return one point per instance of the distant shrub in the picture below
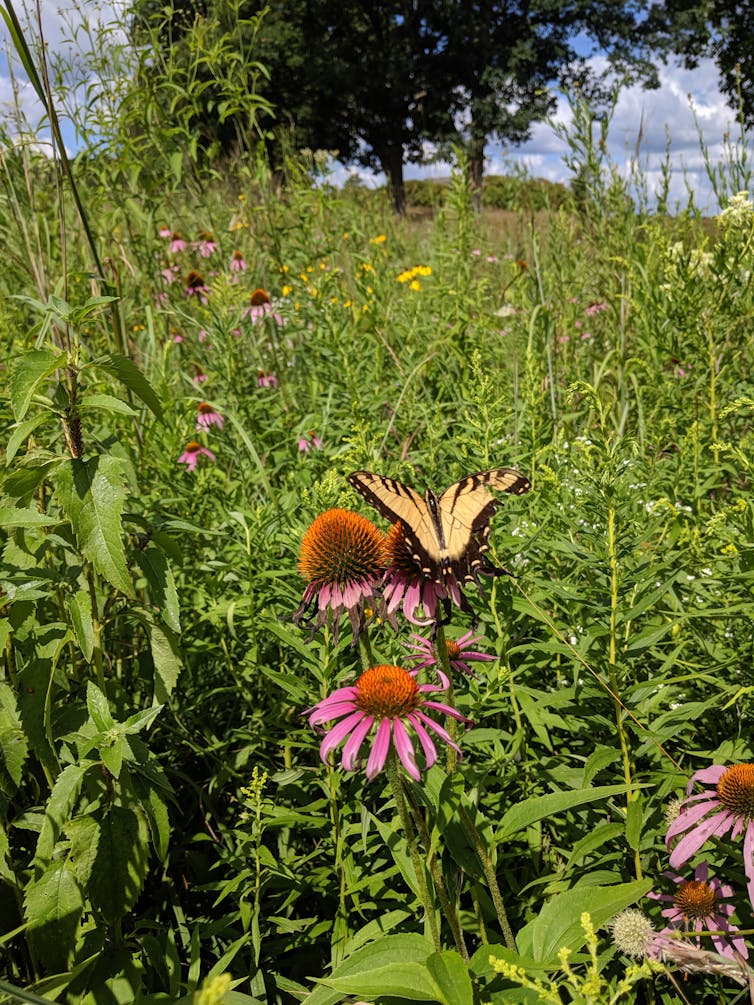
(425, 192)
(508, 192)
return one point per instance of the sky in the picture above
(658, 115)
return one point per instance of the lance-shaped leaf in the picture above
(53, 907)
(121, 864)
(128, 373)
(27, 374)
(91, 493)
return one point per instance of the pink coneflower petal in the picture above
(380, 747)
(712, 775)
(353, 744)
(338, 733)
(691, 843)
(404, 748)
(688, 817)
(331, 712)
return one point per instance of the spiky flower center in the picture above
(204, 408)
(695, 900)
(259, 297)
(340, 547)
(193, 447)
(454, 650)
(195, 281)
(387, 692)
(735, 790)
(396, 555)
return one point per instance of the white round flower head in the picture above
(738, 213)
(672, 809)
(632, 932)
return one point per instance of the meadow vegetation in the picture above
(177, 413)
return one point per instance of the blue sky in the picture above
(657, 114)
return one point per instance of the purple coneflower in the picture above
(699, 905)
(459, 653)
(406, 584)
(177, 243)
(195, 286)
(596, 307)
(208, 417)
(267, 379)
(260, 307)
(237, 262)
(190, 456)
(170, 273)
(729, 806)
(200, 376)
(340, 558)
(309, 442)
(165, 232)
(206, 245)
(388, 698)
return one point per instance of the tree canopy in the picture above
(383, 82)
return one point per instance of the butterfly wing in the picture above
(464, 513)
(398, 502)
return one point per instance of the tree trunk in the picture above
(391, 160)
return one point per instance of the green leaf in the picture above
(121, 863)
(154, 565)
(91, 493)
(21, 432)
(13, 746)
(529, 811)
(167, 661)
(80, 608)
(158, 819)
(451, 975)
(634, 822)
(60, 805)
(105, 403)
(128, 373)
(27, 374)
(393, 967)
(558, 925)
(99, 708)
(53, 906)
(83, 833)
(112, 753)
(13, 516)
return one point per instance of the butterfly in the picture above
(446, 534)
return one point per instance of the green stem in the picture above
(712, 390)
(448, 909)
(366, 644)
(396, 785)
(489, 872)
(612, 655)
(451, 724)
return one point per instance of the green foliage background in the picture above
(166, 819)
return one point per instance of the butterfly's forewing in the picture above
(465, 510)
(398, 502)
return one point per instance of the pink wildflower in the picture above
(177, 243)
(309, 442)
(459, 653)
(196, 287)
(267, 379)
(206, 245)
(238, 262)
(698, 905)
(208, 417)
(190, 456)
(388, 700)
(596, 308)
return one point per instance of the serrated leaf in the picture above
(14, 516)
(21, 432)
(128, 373)
(451, 976)
(99, 708)
(163, 644)
(53, 906)
(557, 924)
(91, 493)
(27, 374)
(159, 576)
(121, 864)
(529, 811)
(105, 403)
(60, 805)
(13, 746)
(80, 608)
(392, 966)
(112, 755)
(83, 833)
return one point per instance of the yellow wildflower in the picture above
(415, 285)
(380, 239)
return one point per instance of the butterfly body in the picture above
(446, 534)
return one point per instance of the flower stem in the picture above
(396, 785)
(612, 654)
(451, 724)
(489, 873)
